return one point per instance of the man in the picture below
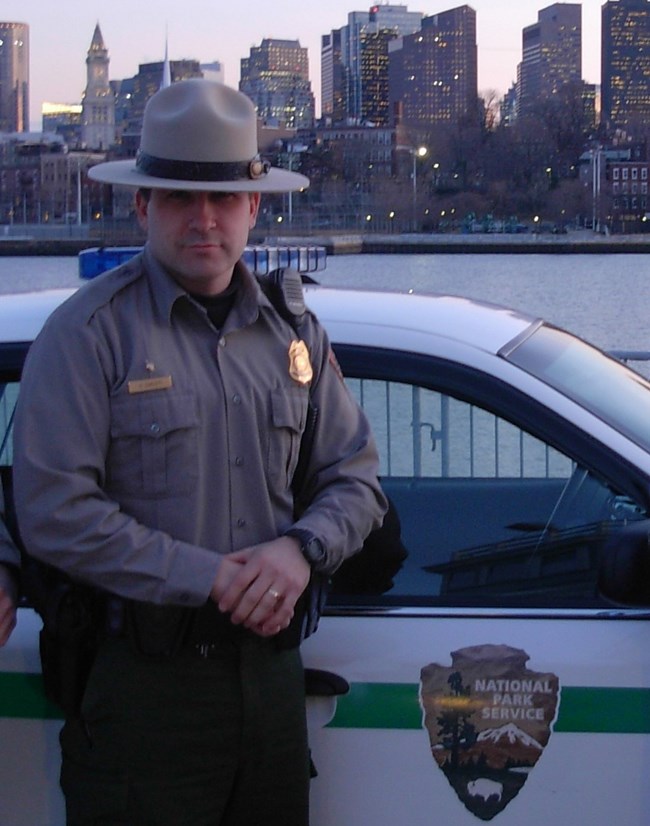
(158, 429)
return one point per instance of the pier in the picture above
(578, 242)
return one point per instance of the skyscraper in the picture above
(363, 58)
(98, 103)
(551, 54)
(276, 78)
(332, 78)
(14, 77)
(375, 107)
(625, 82)
(434, 72)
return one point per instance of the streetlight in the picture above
(596, 178)
(293, 149)
(436, 174)
(419, 152)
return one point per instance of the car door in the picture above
(489, 678)
(29, 725)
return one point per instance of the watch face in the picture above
(313, 551)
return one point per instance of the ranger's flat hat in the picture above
(200, 135)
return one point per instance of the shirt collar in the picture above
(166, 291)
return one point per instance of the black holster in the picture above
(68, 644)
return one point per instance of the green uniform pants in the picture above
(186, 741)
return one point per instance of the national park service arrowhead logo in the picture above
(489, 719)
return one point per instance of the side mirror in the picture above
(624, 572)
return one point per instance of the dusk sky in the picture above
(135, 30)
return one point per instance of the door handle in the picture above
(320, 683)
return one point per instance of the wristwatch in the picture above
(310, 547)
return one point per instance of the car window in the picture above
(600, 383)
(8, 398)
(482, 511)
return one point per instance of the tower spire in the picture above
(97, 43)
(98, 103)
(167, 72)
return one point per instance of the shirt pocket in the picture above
(288, 418)
(154, 448)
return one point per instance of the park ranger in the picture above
(159, 427)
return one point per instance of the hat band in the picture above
(201, 170)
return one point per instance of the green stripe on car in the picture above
(394, 706)
(21, 696)
(598, 710)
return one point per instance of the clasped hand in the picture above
(259, 586)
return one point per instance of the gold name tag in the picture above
(146, 385)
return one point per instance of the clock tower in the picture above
(98, 103)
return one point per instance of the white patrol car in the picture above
(485, 656)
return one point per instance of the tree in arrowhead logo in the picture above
(489, 719)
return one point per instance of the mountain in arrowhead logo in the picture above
(489, 719)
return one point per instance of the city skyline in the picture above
(60, 35)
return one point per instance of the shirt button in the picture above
(239, 461)
(222, 342)
(154, 428)
(236, 399)
(241, 523)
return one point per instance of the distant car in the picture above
(516, 228)
(479, 658)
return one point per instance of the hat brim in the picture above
(124, 173)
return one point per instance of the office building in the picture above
(551, 54)
(63, 119)
(275, 77)
(508, 107)
(375, 108)
(22, 155)
(625, 87)
(434, 72)
(14, 77)
(98, 102)
(67, 193)
(332, 78)
(364, 59)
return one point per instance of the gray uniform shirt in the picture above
(147, 443)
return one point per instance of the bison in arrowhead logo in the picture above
(489, 719)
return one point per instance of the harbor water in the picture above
(603, 298)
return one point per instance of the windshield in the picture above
(601, 384)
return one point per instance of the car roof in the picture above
(350, 315)
(23, 314)
(475, 324)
